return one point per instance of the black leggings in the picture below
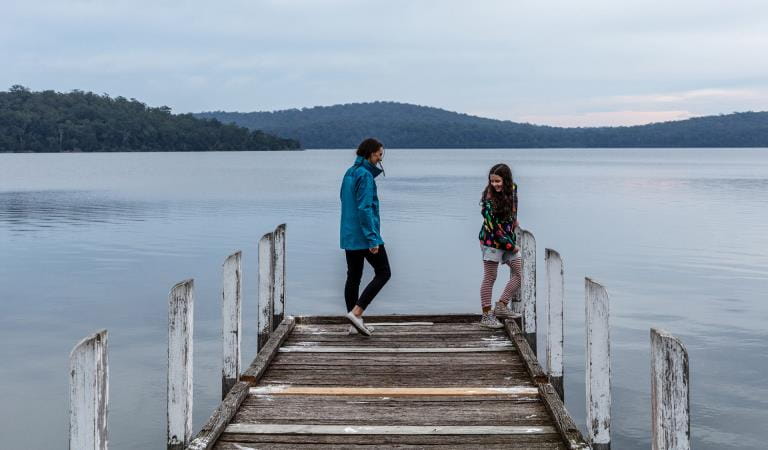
(380, 265)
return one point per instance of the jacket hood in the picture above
(360, 161)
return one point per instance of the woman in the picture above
(497, 242)
(360, 232)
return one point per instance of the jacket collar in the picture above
(360, 161)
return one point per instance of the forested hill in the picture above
(79, 121)
(401, 125)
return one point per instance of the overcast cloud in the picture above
(587, 62)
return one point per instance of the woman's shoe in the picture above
(489, 320)
(353, 330)
(357, 322)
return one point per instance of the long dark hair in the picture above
(504, 202)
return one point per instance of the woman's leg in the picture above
(355, 260)
(382, 274)
(515, 269)
(486, 287)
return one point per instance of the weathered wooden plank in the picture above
(89, 393)
(670, 403)
(266, 354)
(330, 349)
(510, 359)
(266, 288)
(244, 428)
(397, 337)
(525, 352)
(517, 442)
(382, 332)
(393, 391)
(279, 265)
(181, 302)
(231, 298)
(598, 365)
(223, 414)
(397, 327)
(371, 319)
(562, 420)
(525, 303)
(358, 341)
(556, 319)
(378, 380)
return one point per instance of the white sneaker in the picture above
(353, 330)
(357, 322)
(489, 320)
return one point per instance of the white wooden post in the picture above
(181, 302)
(598, 365)
(279, 311)
(670, 404)
(231, 297)
(555, 301)
(525, 303)
(89, 393)
(266, 288)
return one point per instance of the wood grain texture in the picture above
(266, 288)
(266, 354)
(206, 438)
(598, 363)
(231, 300)
(372, 349)
(243, 428)
(526, 391)
(436, 318)
(528, 286)
(89, 393)
(181, 303)
(279, 265)
(556, 318)
(517, 442)
(670, 390)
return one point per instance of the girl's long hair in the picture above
(503, 202)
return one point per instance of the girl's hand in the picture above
(516, 225)
(374, 250)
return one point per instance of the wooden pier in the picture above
(437, 381)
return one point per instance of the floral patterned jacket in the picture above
(496, 232)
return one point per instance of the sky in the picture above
(559, 62)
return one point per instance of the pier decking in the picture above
(437, 381)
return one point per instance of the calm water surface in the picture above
(90, 241)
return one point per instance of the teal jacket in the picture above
(360, 223)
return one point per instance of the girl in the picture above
(497, 242)
(360, 232)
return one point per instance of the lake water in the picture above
(90, 241)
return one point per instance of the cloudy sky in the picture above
(559, 62)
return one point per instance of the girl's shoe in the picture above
(502, 310)
(490, 321)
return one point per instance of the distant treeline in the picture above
(401, 125)
(80, 121)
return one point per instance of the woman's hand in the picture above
(374, 250)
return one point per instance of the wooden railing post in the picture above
(670, 404)
(555, 303)
(89, 393)
(266, 288)
(231, 297)
(598, 365)
(525, 303)
(279, 310)
(180, 330)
